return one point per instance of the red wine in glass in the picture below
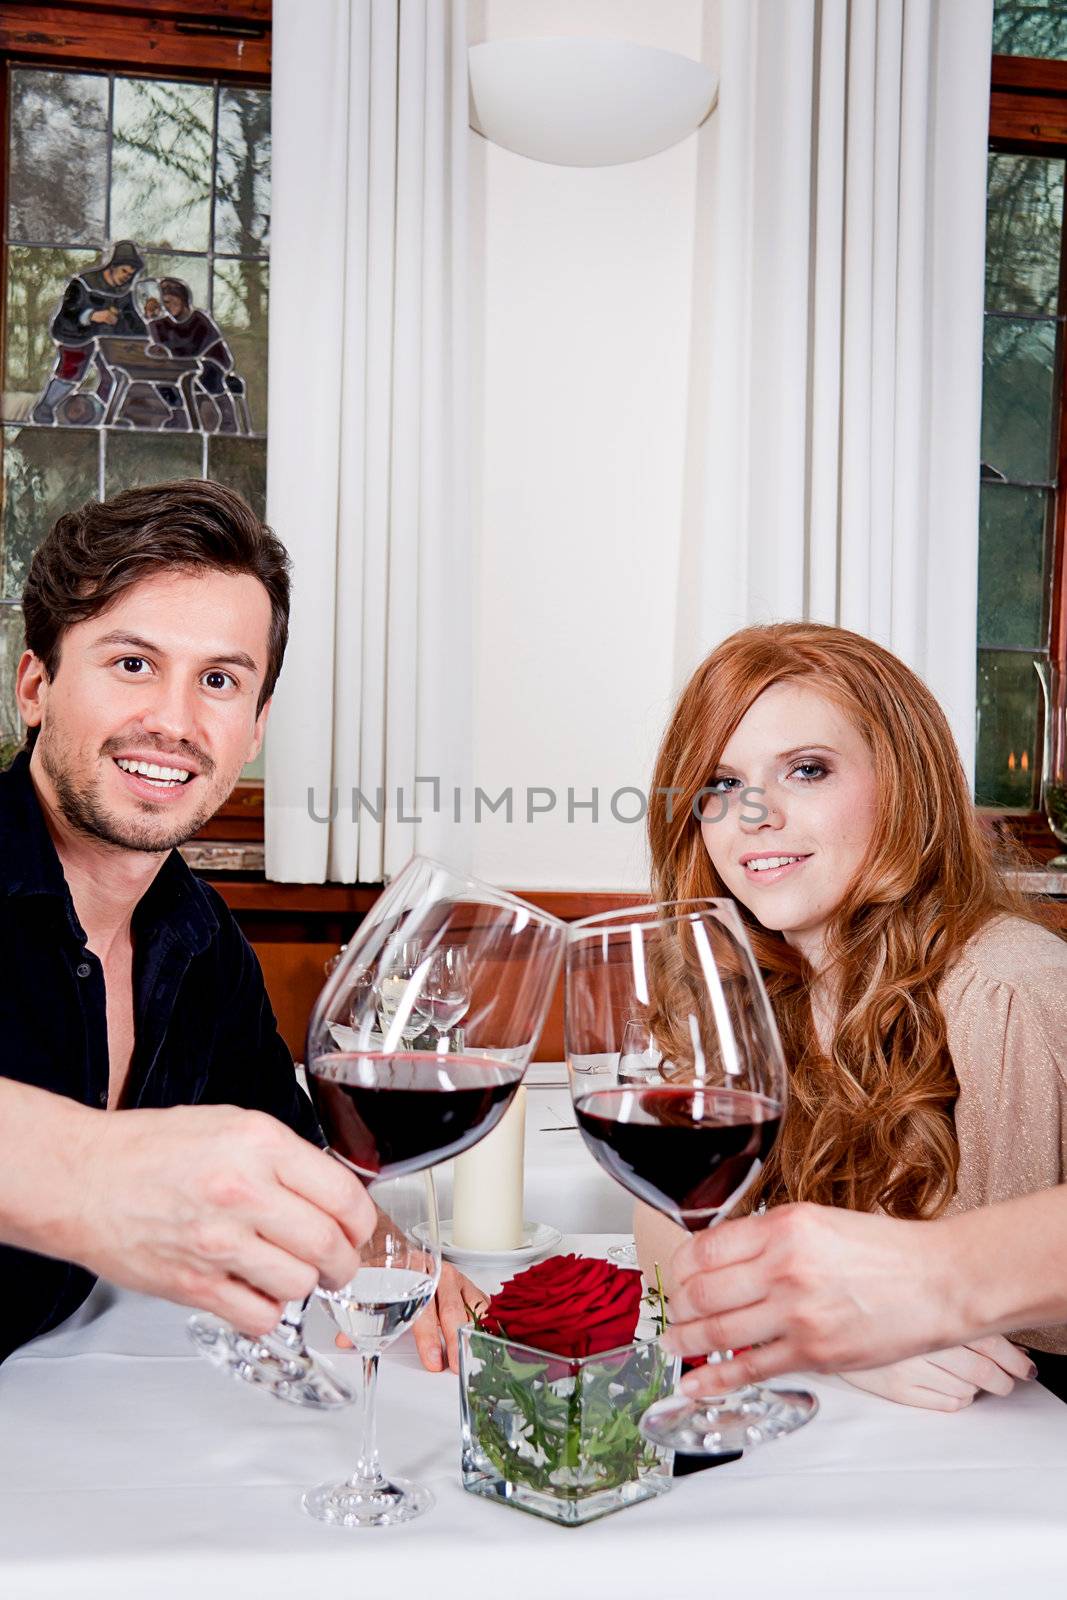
(691, 1135)
(681, 1149)
(390, 1114)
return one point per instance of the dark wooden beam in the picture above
(154, 41)
(1028, 74)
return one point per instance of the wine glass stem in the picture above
(290, 1329)
(368, 1467)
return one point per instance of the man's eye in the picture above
(133, 665)
(219, 680)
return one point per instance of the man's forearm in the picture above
(42, 1137)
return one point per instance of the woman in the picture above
(921, 1006)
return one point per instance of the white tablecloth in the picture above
(131, 1470)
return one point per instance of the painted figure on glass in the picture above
(95, 302)
(179, 328)
(159, 361)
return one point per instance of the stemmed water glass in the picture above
(692, 1142)
(398, 1271)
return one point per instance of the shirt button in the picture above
(102, 1097)
(84, 969)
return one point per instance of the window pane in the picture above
(1023, 219)
(1017, 397)
(57, 179)
(1011, 566)
(240, 464)
(242, 180)
(1029, 28)
(11, 645)
(36, 280)
(46, 471)
(241, 313)
(1007, 756)
(137, 459)
(161, 163)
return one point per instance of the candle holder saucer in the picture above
(538, 1239)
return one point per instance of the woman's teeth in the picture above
(768, 863)
(149, 769)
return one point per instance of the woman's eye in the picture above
(219, 680)
(809, 771)
(723, 785)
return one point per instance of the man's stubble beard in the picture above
(83, 812)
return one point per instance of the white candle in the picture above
(487, 1186)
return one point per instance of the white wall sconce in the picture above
(586, 102)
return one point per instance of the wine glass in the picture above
(391, 988)
(445, 993)
(693, 1143)
(387, 1107)
(639, 1057)
(397, 1276)
(1054, 763)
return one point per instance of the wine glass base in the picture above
(287, 1372)
(367, 1503)
(720, 1425)
(623, 1255)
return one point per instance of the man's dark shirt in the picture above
(204, 1029)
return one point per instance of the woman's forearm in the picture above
(832, 1290)
(1008, 1263)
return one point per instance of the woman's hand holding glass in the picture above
(691, 1134)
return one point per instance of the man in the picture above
(132, 1011)
(97, 301)
(187, 331)
(820, 1289)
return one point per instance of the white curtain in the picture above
(367, 476)
(840, 421)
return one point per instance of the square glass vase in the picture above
(558, 1436)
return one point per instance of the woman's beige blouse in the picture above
(1005, 1006)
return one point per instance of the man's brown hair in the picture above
(94, 554)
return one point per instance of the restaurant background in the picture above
(528, 625)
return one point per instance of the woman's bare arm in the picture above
(817, 1288)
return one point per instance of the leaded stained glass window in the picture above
(136, 242)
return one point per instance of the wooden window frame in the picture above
(1028, 116)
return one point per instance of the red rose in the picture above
(567, 1305)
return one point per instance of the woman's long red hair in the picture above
(872, 1126)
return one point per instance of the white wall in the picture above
(582, 286)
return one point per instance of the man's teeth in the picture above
(148, 769)
(767, 863)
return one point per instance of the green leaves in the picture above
(569, 1434)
